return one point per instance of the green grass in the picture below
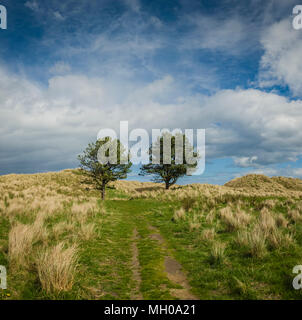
(267, 278)
(104, 265)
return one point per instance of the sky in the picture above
(70, 68)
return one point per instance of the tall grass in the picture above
(20, 244)
(217, 253)
(208, 234)
(266, 221)
(194, 223)
(21, 240)
(179, 214)
(234, 220)
(253, 241)
(87, 231)
(281, 221)
(56, 268)
(294, 215)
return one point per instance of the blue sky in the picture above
(70, 68)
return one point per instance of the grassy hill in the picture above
(58, 240)
(252, 182)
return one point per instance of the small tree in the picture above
(171, 172)
(99, 173)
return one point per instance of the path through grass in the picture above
(137, 245)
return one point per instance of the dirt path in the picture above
(175, 274)
(137, 295)
(173, 270)
(146, 268)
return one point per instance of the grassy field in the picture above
(58, 240)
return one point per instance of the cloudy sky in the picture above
(70, 68)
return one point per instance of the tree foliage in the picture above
(179, 165)
(101, 173)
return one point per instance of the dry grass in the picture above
(44, 200)
(20, 244)
(62, 227)
(208, 234)
(21, 240)
(294, 215)
(275, 185)
(234, 220)
(281, 221)
(277, 239)
(266, 222)
(87, 231)
(80, 212)
(56, 268)
(267, 230)
(217, 253)
(254, 241)
(250, 185)
(84, 208)
(270, 203)
(246, 186)
(39, 201)
(15, 206)
(179, 214)
(210, 216)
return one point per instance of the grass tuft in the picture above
(56, 268)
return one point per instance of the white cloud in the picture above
(260, 124)
(134, 5)
(156, 22)
(60, 67)
(213, 33)
(281, 62)
(245, 162)
(297, 172)
(51, 125)
(58, 16)
(33, 5)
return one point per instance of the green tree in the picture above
(178, 167)
(99, 172)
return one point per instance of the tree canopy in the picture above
(178, 164)
(111, 168)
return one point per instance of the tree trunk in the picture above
(167, 185)
(103, 191)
